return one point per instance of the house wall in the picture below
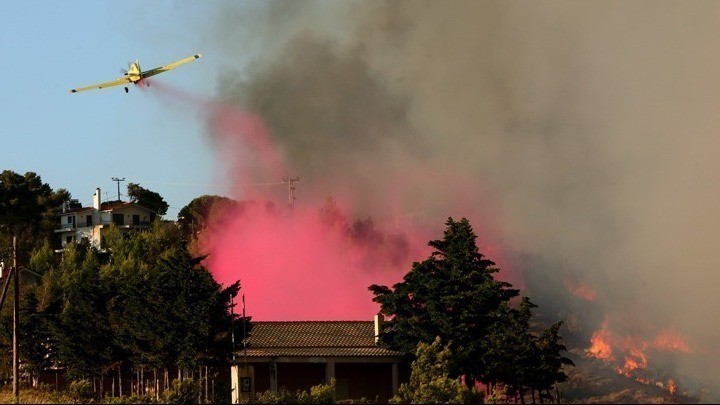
(353, 380)
(371, 380)
(299, 376)
(100, 221)
(128, 212)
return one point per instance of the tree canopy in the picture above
(146, 305)
(453, 296)
(430, 381)
(28, 209)
(147, 198)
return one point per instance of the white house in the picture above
(90, 223)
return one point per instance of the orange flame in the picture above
(580, 289)
(670, 340)
(607, 346)
(634, 359)
(600, 344)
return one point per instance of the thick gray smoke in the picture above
(590, 128)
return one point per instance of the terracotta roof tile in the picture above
(75, 210)
(315, 339)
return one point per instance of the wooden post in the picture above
(395, 379)
(16, 322)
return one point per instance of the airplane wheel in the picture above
(127, 90)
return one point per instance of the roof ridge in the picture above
(352, 321)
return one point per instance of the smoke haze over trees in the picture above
(582, 136)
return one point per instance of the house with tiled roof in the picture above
(78, 223)
(297, 355)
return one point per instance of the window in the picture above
(69, 219)
(136, 220)
(118, 219)
(88, 220)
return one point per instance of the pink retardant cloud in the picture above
(294, 267)
(292, 263)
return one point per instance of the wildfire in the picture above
(599, 346)
(628, 353)
(670, 340)
(634, 359)
(580, 289)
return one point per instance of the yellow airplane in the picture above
(136, 76)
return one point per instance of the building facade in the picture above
(78, 223)
(297, 355)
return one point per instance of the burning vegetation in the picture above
(627, 353)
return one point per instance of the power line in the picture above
(274, 183)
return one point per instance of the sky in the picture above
(580, 138)
(80, 141)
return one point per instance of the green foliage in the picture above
(281, 396)
(43, 259)
(318, 394)
(77, 314)
(34, 333)
(149, 305)
(131, 399)
(430, 381)
(147, 198)
(452, 295)
(165, 310)
(41, 395)
(80, 390)
(182, 392)
(497, 396)
(203, 212)
(28, 209)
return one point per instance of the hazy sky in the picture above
(79, 141)
(585, 134)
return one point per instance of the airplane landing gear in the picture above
(127, 90)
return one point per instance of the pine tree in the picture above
(451, 295)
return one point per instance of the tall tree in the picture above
(166, 310)
(81, 328)
(147, 198)
(28, 209)
(550, 367)
(512, 357)
(200, 212)
(453, 295)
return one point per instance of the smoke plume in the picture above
(579, 136)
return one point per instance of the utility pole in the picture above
(13, 275)
(16, 321)
(291, 189)
(232, 325)
(118, 180)
(244, 332)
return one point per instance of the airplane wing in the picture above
(161, 69)
(117, 82)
